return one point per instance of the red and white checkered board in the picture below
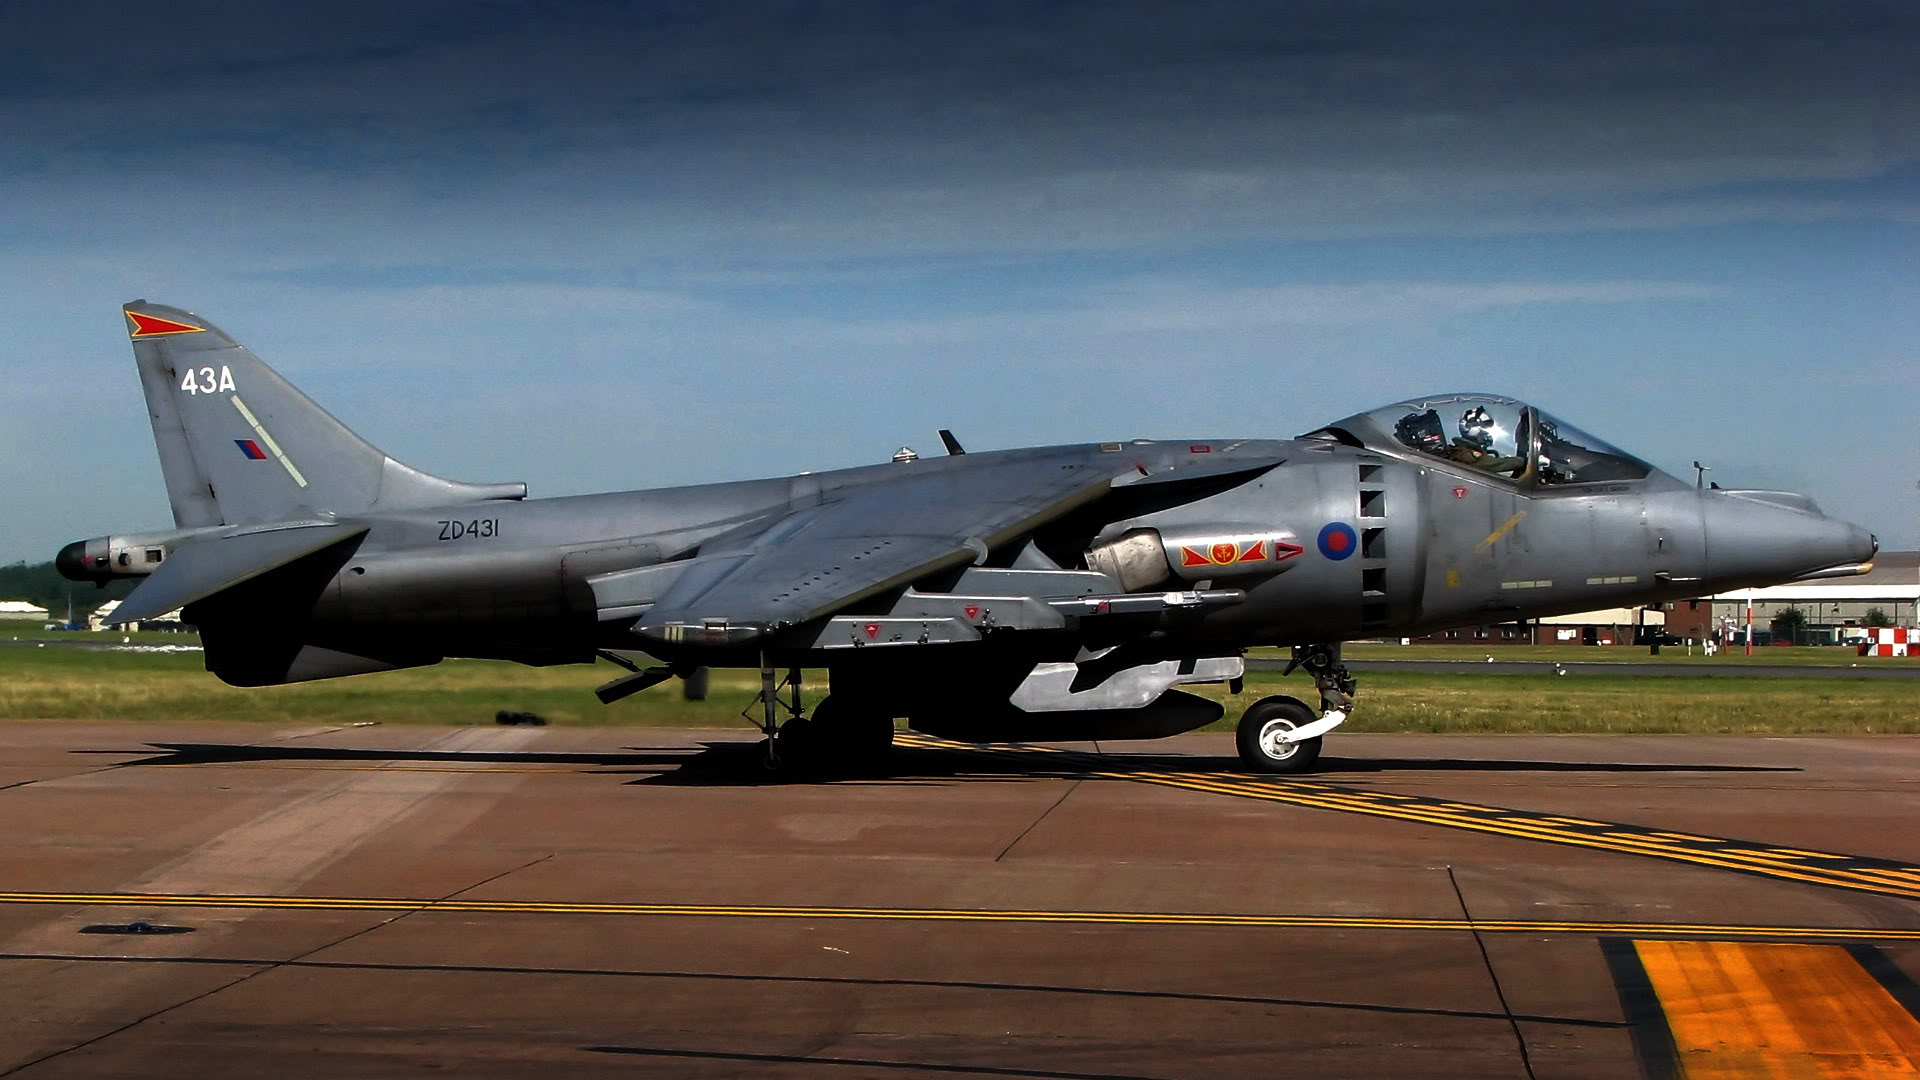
(1890, 641)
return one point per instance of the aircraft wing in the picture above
(818, 560)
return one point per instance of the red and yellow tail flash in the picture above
(145, 326)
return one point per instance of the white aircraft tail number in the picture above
(204, 380)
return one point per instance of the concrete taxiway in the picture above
(388, 901)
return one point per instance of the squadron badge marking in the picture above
(1233, 553)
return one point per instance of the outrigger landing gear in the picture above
(1280, 734)
(786, 742)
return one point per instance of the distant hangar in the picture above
(1835, 608)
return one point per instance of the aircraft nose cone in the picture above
(72, 562)
(1855, 544)
(1767, 539)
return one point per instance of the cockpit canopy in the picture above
(1495, 435)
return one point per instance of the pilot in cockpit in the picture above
(1498, 436)
(1424, 431)
(1475, 445)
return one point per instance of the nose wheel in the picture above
(1282, 735)
(1268, 736)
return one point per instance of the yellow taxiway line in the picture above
(1118, 918)
(1699, 850)
(1831, 869)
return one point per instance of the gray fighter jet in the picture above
(1046, 593)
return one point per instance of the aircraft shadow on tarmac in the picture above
(650, 974)
(738, 764)
(247, 753)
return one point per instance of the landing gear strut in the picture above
(842, 734)
(1281, 734)
(783, 739)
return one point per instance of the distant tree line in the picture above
(40, 583)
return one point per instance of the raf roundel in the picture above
(1337, 540)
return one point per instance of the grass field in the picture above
(71, 684)
(34, 632)
(1766, 655)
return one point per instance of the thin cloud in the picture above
(601, 234)
(1171, 308)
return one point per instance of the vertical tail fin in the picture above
(239, 445)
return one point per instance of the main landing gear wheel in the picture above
(795, 746)
(852, 735)
(832, 740)
(1259, 736)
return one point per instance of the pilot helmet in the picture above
(1422, 431)
(1476, 428)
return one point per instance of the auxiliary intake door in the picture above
(614, 555)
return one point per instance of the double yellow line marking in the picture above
(1699, 850)
(1830, 869)
(1111, 918)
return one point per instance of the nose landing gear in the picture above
(1281, 734)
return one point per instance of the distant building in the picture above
(98, 620)
(1690, 620)
(1834, 609)
(1608, 626)
(21, 611)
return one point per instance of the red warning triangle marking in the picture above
(155, 326)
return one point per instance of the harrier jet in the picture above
(1044, 593)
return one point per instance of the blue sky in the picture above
(616, 246)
